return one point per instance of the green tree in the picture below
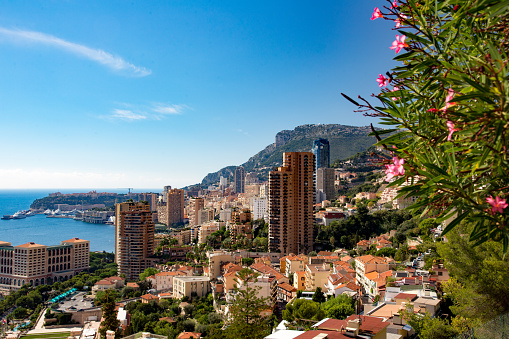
(447, 112)
(318, 297)
(245, 313)
(110, 322)
(479, 288)
(339, 308)
(148, 272)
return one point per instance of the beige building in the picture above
(317, 276)
(190, 286)
(325, 182)
(216, 260)
(207, 229)
(291, 198)
(294, 263)
(366, 264)
(197, 205)
(164, 280)
(134, 238)
(205, 215)
(37, 264)
(175, 206)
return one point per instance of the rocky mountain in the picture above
(344, 141)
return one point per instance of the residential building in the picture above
(175, 206)
(134, 238)
(205, 215)
(366, 264)
(164, 280)
(317, 276)
(207, 229)
(239, 180)
(198, 204)
(190, 286)
(325, 182)
(37, 264)
(321, 151)
(258, 207)
(294, 263)
(291, 197)
(299, 280)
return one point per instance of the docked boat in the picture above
(19, 215)
(7, 217)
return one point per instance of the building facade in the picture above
(325, 182)
(37, 264)
(134, 238)
(321, 151)
(239, 180)
(175, 206)
(291, 197)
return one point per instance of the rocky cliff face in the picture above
(344, 141)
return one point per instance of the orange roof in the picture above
(105, 282)
(363, 243)
(187, 335)
(371, 259)
(287, 287)
(29, 245)
(75, 240)
(149, 297)
(371, 275)
(409, 296)
(133, 285)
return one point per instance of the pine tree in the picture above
(109, 314)
(245, 320)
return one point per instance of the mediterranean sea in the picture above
(51, 231)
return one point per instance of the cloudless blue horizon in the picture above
(114, 94)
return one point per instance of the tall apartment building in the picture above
(321, 151)
(325, 182)
(175, 206)
(134, 238)
(198, 204)
(152, 199)
(37, 264)
(291, 195)
(239, 180)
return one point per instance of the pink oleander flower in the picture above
(394, 169)
(376, 14)
(448, 98)
(399, 43)
(398, 20)
(498, 204)
(396, 88)
(394, 4)
(382, 81)
(451, 128)
(434, 110)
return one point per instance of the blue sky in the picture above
(97, 94)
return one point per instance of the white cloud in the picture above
(168, 109)
(127, 115)
(113, 62)
(156, 111)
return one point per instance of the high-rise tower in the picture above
(175, 206)
(134, 238)
(239, 180)
(321, 150)
(291, 195)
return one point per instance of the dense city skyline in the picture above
(188, 87)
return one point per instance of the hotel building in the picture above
(37, 264)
